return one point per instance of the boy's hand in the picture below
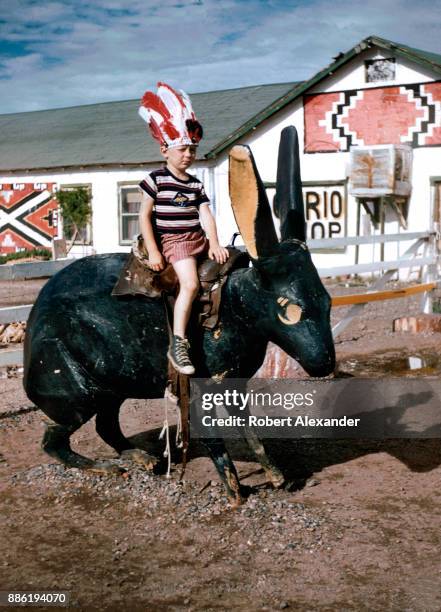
(156, 261)
(219, 253)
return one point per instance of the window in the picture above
(84, 235)
(129, 203)
(380, 70)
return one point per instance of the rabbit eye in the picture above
(291, 312)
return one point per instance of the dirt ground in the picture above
(358, 529)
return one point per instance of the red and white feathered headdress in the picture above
(170, 117)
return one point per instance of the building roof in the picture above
(431, 61)
(112, 133)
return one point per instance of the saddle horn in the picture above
(288, 201)
(250, 204)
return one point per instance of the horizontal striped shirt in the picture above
(177, 201)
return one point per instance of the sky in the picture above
(69, 52)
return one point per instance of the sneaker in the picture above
(178, 355)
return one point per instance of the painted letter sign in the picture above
(325, 208)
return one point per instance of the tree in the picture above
(76, 211)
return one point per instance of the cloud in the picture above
(70, 52)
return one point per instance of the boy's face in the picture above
(181, 157)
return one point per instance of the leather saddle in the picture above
(136, 278)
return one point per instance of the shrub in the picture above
(40, 253)
(75, 209)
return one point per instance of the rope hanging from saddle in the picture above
(177, 393)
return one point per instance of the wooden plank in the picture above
(321, 243)
(11, 357)
(377, 266)
(391, 294)
(15, 313)
(37, 269)
(272, 185)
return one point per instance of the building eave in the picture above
(87, 167)
(300, 89)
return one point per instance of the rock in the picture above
(418, 324)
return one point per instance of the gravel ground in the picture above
(361, 534)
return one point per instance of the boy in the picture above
(181, 207)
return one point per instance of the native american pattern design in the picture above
(380, 115)
(28, 216)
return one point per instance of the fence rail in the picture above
(321, 243)
(11, 357)
(40, 269)
(15, 313)
(377, 296)
(377, 266)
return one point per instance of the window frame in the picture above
(121, 185)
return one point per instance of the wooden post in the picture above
(429, 274)
(59, 249)
(382, 222)
(357, 246)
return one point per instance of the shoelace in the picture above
(181, 351)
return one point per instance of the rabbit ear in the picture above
(288, 202)
(250, 204)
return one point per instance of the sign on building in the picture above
(28, 216)
(325, 208)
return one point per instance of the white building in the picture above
(378, 93)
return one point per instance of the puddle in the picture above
(390, 363)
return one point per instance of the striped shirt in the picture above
(177, 201)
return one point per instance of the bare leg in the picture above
(186, 271)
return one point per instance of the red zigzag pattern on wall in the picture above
(380, 115)
(28, 216)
